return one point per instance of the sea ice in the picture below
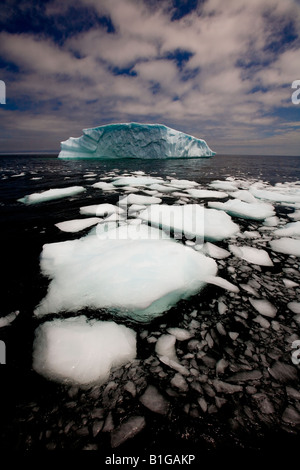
(292, 195)
(246, 210)
(136, 181)
(289, 230)
(206, 193)
(134, 140)
(286, 245)
(223, 185)
(77, 224)
(138, 279)
(138, 199)
(264, 307)
(51, 194)
(214, 251)
(8, 319)
(165, 346)
(191, 220)
(81, 352)
(251, 255)
(100, 210)
(104, 186)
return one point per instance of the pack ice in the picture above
(134, 140)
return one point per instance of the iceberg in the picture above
(134, 140)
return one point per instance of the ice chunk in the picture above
(138, 199)
(134, 140)
(127, 430)
(245, 210)
(139, 279)
(289, 246)
(162, 188)
(8, 319)
(52, 194)
(295, 215)
(206, 193)
(294, 307)
(289, 230)
(292, 195)
(191, 220)
(289, 284)
(77, 224)
(214, 251)
(220, 282)
(264, 307)
(77, 351)
(245, 196)
(223, 185)
(136, 181)
(165, 346)
(271, 221)
(183, 184)
(154, 401)
(104, 186)
(251, 255)
(179, 333)
(100, 210)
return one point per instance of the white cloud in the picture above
(210, 91)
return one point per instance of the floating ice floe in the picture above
(244, 195)
(183, 184)
(77, 225)
(290, 195)
(251, 255)
(214, 251)
(291, 229)
(104, 186)
(223, 185)
(51, 194)
(294, 307)
(134, 140)
(100, 210)
(138, 279)
(162, 188)
(246, 210)
(264, 307)
(206, 193)
(295, 215)
(191, 221)
(138, 199)
(81, 352)
(136, 181)
(271, 221)
(288, 246)
(8, 319)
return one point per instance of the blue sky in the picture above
(219, 70)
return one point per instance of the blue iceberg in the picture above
(133, 140)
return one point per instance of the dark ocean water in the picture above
(24, 230)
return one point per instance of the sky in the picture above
(219, 70)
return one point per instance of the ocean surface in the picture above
(39, 414)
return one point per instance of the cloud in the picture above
(224, 66)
